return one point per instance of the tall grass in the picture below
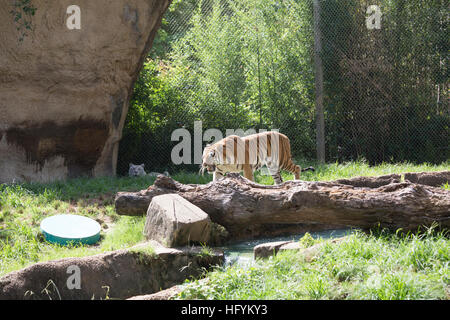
(380, 266)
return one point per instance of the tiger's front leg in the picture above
(248, 172)
(277, 178)
(275, 172)
(217, 176)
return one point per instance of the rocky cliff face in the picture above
(64, 92)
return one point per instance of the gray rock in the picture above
(167, 294)
(174, 221)
(265, 250)
(292, 245)
(308, 253)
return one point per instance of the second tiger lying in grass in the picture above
(250, 153)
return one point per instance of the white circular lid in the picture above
(70, 226)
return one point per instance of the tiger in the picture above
(137, 170)
(250, 153)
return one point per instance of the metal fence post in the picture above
(320, 121)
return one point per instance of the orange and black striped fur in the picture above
(250, 153)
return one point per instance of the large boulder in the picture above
(174, 221)
(64, 93)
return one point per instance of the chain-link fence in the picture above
(254, 64)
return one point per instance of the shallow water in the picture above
(241, 253)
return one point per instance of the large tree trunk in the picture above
(247, 209)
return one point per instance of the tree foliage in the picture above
(238, 65)
(249, 64)
(386, 90)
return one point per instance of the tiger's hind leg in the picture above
(297, 172)
(293, 168)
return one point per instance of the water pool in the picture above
(241, 252)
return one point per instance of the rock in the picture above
(174, 221)
(308, 253)
(143, 269)
(167, 294)
(64, 94)
(265, 250)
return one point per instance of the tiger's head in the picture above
(210, 159)
(136, 170)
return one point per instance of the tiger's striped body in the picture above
(250, 153)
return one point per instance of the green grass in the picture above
(25, 246)
(23, 206)
(380, 266)
(147, 249)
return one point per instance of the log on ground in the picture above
(247, 209)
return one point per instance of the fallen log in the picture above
(371, 182)
(247, 209)
(434, 179)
